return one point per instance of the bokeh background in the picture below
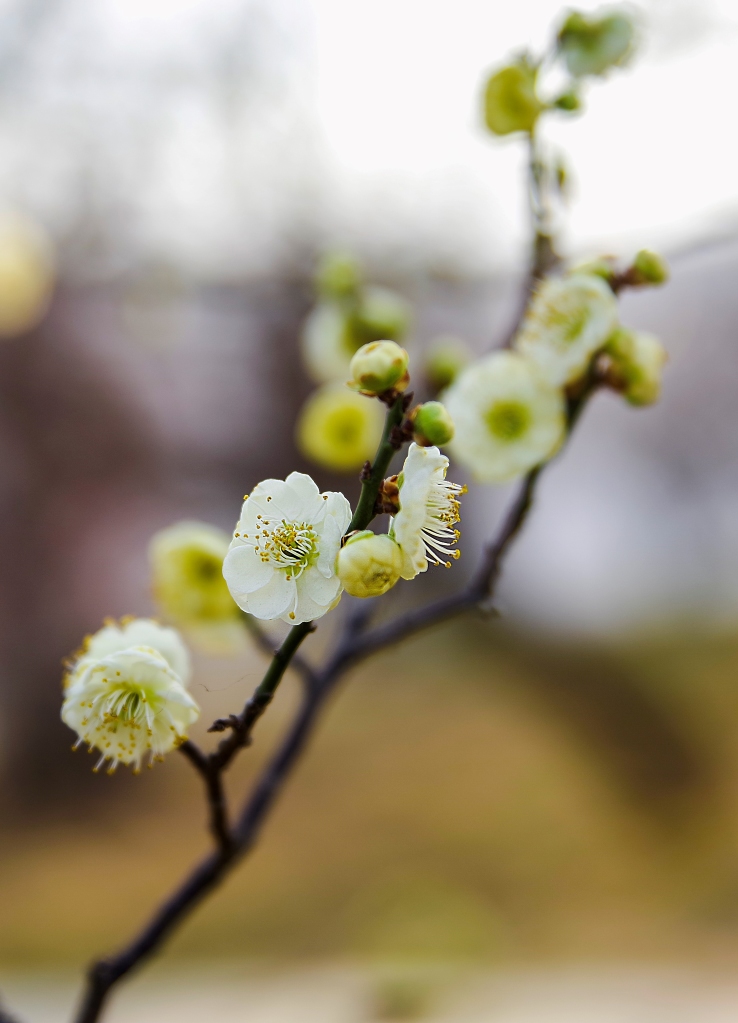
(519, 820)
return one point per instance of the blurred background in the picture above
(533, 819)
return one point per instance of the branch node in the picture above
(222, 724)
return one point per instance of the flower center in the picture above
(508, 420)
(567, 323)
(441, 515)
(345, 426)
(292, 546)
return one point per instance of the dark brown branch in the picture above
(213, 778)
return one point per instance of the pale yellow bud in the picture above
(369, 564)
(378, 367)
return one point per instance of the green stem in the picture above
(365, 508)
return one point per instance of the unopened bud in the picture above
(432, 424)
(445, 359)
(568, 101)
(369, 564)
(638, 360)
(510, 100)
(650, 267)
(378, 367)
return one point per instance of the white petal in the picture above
(276, 498)
(245, 572)
(314, 585)
(303, 485)
(339, 509)
(274, 599)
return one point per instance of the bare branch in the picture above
(217, 805)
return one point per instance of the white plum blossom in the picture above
(429, 511)
(281, 562)
(567, 321)
(508, 417)
(325, 347)
(125, 692)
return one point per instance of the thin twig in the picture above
(217, 804)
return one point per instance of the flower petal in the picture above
(245, 572)
(314, 585)
(273, 600)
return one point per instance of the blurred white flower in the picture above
(281, 563)
(568, 319)
(335, 331)
(125, 693)
(325, 347)
(429, 510)
(187, 578)
(508, 416)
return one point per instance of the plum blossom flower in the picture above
(125, 692)
(508, 417)
(281, 562)
(187, 579)
(568, 320)
(429, 511)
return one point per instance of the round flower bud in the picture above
(338, 276)
(378, 367)
(510, 100)
(651, 267)
(380, 314)
(444, 360)
(432, 424)
(568, 101)
(591, 45)
(369, 564)
(339, 429)
(638, 360)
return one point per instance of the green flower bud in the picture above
(638, 360)
(380, 314)
(510, 100)
(651, 267)
(569, 101)
(444, 360)
(432, 424)
(368, 564)
(338, 277)
(591, 45)
(379, 367)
